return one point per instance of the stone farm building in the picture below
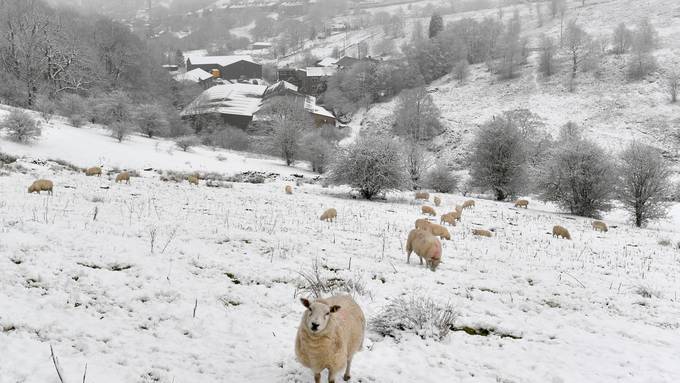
(231, 104)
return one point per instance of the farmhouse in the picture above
(320, 114)
(198, 76)
(226, 67)
(232, 104)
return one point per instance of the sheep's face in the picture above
(433, 263)
(317, 315)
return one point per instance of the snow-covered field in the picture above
(77, 272)
(93, 146)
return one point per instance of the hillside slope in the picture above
(163, 282)
(612, 109)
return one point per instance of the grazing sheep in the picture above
(600, 226)
(439, 231)
(423, 196)
(522, 203)
(468, 204)
(40, 185)
(423, 224)
(289, 189)
(93, 171)
(428, 210)
(559, 231)
(437, 201)
(426, 246)
(330, 333)
(329, 215)
(449, 218)
(193, 180)
(482, 233)
(123, 176)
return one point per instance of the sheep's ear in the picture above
(305, 302)
(335, 308)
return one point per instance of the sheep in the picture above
(482, 233)
(600, 226)
(289, 189)
(40, 185)
(439, 231)
(437, 201)
(423, 195)
(449, 218)
(123, 176)
(468, 204)
(329, 215)
(93, 171)
(426, 246)
(459, 209)
(193, 180)
(423, 224)
(522, 203)
(559, 231)
(330, 333)
(428, 210)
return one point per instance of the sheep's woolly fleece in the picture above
(77, 272)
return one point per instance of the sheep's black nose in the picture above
(315, 326)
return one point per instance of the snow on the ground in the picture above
(77, 273)
(93, 146)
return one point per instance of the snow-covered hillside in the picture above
(112, 278)
(612, 109)
(93, 146)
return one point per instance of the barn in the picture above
(227, 67)
(320, 114)
(231, 104)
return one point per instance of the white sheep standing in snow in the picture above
(330, 333)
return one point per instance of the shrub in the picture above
(461, 70)
(316, 283)
(419, 315)
(46, 107)
(187, 142)
(371, 165)
(318, 151)
(498, 158)
(230, 138)
(441, 180)
(643, 182)
(417, 117)
(577, 175)
(71, 105)
(115, 107)
(120, 130)
(77, 120)
(151, 121)
(20, 126)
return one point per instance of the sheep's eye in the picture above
(328, 313)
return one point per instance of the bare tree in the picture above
(461, 70)
(673, 84)
(151, 121)
(289, 123)
(417, 115)
(622, 39)
(416, 161)
(578, 47)
(644, 182)
(498, 158)
(441, 180)
(546, 64)
(577, 175)
(644, 41)
(371, 165)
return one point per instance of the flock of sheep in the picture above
(332, 329)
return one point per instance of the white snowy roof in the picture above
(311, 107)
(327, 62)
(219, 60)
(195, 75)
(314, 71)
(235, 99)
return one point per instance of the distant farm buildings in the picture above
(231, 104)
(226, 67)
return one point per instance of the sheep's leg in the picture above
(347, 376)
(421, 259)
(331, 375)
(317, 377)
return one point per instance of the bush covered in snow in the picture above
(186, 142)
(120, 130)
(419, 315)
(151, 121)
(441, 180)
(318, 151)
(371, 165)
(20, 126)
(229, 137)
